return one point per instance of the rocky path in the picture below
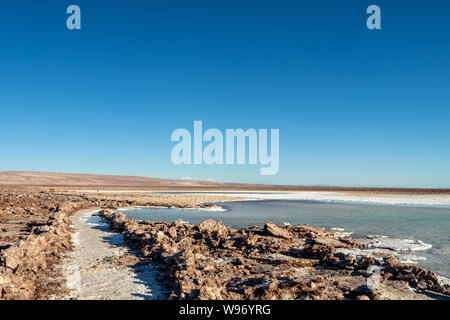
(102, 267)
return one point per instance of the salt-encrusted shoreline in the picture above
(36, 231)
(102, 267)
(403, 248)
(351, 197)
(203, 207)
(212, 261)
(328, 196)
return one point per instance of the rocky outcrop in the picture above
(276, 231)
(205, 261)
(35, 232)
(212, 261)
(27, 263)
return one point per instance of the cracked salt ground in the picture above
(102, 267)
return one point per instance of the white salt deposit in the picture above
(393, 199)
(92, 271)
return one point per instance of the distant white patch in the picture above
(341, 232)
(402, 199)
(400, 244)
(443, 280)
(213, 208)
(404, 249)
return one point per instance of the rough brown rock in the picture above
(276, 231)
(212, 261)
(206, 261)
(35, 231)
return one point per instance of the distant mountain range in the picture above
(71, 179)
(30, 178)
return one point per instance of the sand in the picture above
(101, 267)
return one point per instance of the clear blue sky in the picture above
(354, 106)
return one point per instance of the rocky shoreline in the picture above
(35, 232)
(205, 261)
(101, 266)
(213, 261)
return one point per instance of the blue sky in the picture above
(354, 106)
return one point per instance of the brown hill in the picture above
(71, 179)
(89, 181)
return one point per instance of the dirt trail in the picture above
(102, 267)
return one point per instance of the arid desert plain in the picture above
(77, 239)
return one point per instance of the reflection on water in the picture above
(430, 225)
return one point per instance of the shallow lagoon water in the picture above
(428, 224)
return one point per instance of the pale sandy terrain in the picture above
(101, 267)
